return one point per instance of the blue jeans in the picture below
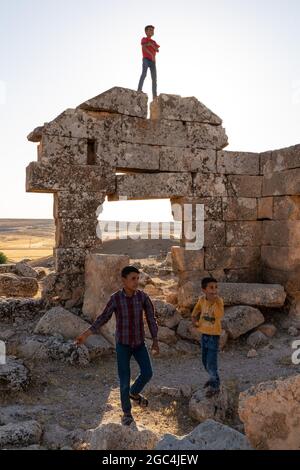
(147, 63)
(209, 349)
(141, 355)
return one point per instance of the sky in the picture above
(239, 57)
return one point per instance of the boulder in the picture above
(270, 412)
(268, 329)
(23, 269)
(209, 435)
(240, 319)
(202, 408)
(257, 339)
(166, 313)
(114, 436)
(12, 285)
(18, 434)
(265, 295)
(58, 320)
(186, 330)
(14, 375)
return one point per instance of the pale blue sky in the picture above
(239, 57)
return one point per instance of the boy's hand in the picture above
(194, 321)
(82, 338)
(155, 347)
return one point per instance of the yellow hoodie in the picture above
(209, 314)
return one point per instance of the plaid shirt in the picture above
(129, 317)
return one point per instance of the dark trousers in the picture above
(210, 349)
(147, 63)
(141, 355)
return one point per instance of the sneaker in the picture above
(127, 419)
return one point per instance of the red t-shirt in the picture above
(152, 49)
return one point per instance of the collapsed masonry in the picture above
(251, 200)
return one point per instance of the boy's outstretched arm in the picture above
(100, 321)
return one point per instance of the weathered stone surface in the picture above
(239, 208)
(81, 205)
(23, 269)
(182, 206)
(114, 436)
(276, 233)
(14, 286)
(77, 233)
(238, 163)
(56, 437)
(257, 339)
(209, 185)
(14, 376)
(285, 183)
(174, 107)
(46, 177)
(285, 258)
(151, 186)
(18, 434)
(61, 321)
(166, 313)
(187, 260)
(231, 257)
(202, 408)
(187, 159)
(36, 134)
(205, 136)
(20, 307)
(244, 186)
(66, 288)
(265, 208)
(240, 319)
(123, 155)
(290, 280)
(209, 435)
(243, 233)
(286, 207)
(55, 149)
(279, 160)
(8, 268)
(268, 329)
(186, 330)
(165, 335)
(119, 100)
(270, 412)
(70, 260)
(271, 295)
(102, 278)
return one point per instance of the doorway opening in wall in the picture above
(138, 228)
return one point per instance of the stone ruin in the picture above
(251, 200)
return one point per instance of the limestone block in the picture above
(280, 160)
(187, 260)
(276, 233)
(231, 257)
(119, 100)
(238, 163)
(174, 107)
(286, 207)
(67, 149)
(187, 159)
(244, 186)
(209, 185)
(265, 208)
(186, 207)
(123, 155)
(12, 285)
(255, 294)
(205, 136)
(66, 288)
(290, 280)
(240, 319)
(81, 205)
(45, 177)
(151, 186)
(285, 258)
(77, 233)
(70, 260)
(243, 233)
(239, 208)
(281, 184)
(270, 413)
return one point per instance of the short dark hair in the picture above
(207, 280)
(129, 269)
(149, 26)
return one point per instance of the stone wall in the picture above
(251, 200)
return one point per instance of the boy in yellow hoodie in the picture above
(206, 316)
